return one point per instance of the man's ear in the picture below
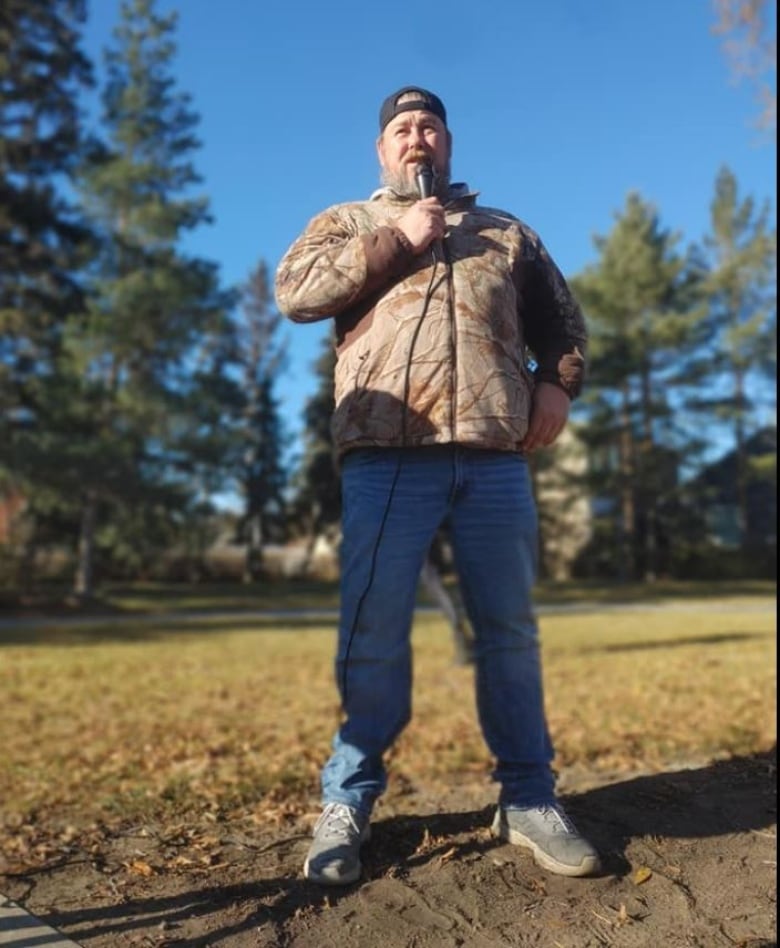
(380, 151)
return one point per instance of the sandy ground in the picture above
(690, 860)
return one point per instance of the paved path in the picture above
(205, 615)
(18, 929)
(195, 615)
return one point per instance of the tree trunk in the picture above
(627, 510)
(83, 584)
(649, 493)
(25, 571)
(254, 550)
(741, 458)
(315, 526)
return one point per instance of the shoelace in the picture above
(559, 819)
(336, 821)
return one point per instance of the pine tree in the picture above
(42, 71)
(639, 307)
(43, 241)
(318, 497)
(153, 311)
(738, 257)
(258, 436)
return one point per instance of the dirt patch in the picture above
(690, 860)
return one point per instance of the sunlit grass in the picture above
(153, 721)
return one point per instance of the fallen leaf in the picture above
(424, 843)
(180, 862)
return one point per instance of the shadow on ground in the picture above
(719, 638)
(264, 896)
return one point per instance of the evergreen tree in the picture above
(258, 435)
(154, 312)
(738, 257)
(638, 303)
(318, 495)
(43, 242)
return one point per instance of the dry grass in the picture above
(164, 721)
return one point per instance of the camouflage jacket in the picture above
(432, 349)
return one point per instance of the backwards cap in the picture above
(422, 99)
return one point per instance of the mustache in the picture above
(417, 155)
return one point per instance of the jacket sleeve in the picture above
(553, 323)
(332, 266)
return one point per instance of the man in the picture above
(436, 301)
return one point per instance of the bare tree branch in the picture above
(750, 47)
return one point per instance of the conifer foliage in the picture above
(42, 70)
(258, 434)
(135, 390)
(739, 289)
(640, 305)
(153, 311)
(679, 338)
(318, 497)
(43, 241)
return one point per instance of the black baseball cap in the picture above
(421, 100)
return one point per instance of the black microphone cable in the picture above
(404, 415)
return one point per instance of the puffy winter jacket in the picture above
(432, 349)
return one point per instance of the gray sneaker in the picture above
(334, 855)
(551, 835)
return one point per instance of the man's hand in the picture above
(549, 413)
(423, 223)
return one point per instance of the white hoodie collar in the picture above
(457, 191)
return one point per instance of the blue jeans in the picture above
(488, 499)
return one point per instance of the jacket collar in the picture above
(458, 191)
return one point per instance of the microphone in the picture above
(424, 178)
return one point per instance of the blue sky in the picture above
(558, 109)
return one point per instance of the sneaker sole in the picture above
(589, 866)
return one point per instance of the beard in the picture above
(403, 186)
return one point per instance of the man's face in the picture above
(409, 138)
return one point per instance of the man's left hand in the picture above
(549, 413)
